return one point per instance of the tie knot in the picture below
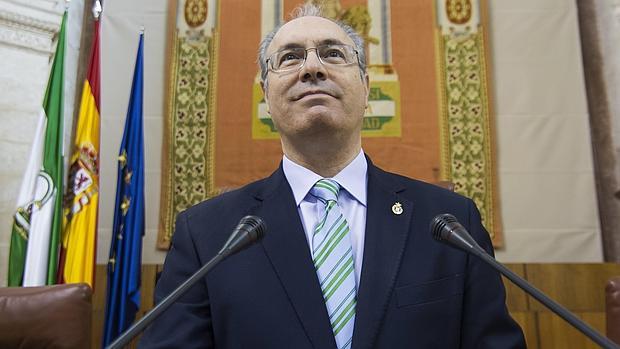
(326, 190)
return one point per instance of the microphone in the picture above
(249, 230)
(446, 228)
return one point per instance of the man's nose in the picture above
(313, 69)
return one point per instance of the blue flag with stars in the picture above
(123, 291)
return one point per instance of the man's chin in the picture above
(320, 125)
(315, 119)
(318, 110)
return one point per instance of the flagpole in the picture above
(79, 240)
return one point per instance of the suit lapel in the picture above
(385, 240)
(287, 249)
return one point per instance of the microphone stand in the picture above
(139, 326)
(249, 230)
(569, 317)
(445, 228)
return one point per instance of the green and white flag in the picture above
(33, 256)
(21, 219)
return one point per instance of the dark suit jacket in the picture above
(414, 292)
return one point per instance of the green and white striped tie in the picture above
(333, 259)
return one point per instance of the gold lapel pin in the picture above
(397, 208)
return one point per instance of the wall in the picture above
(544, 153)
(542, 329)
(120, 27)
(545, 166)
(608, 16)
(27, 42)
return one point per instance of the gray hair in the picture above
(311, 10)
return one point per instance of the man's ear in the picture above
(367, 83)
(263, 88)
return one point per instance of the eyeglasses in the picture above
(294, 58)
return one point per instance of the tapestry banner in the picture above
(220, 137)
(467, 134)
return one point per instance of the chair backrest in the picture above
(444, 184)
(612, 308)
(56, 316)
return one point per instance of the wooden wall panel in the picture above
(557, 334)
(99, 296)
(147, 291)
(515, 299)
(148, 287)
(527, 321)
(579, 287)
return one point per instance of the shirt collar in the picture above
(352, 178)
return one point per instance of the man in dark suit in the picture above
(347, 260)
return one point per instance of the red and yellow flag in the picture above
(79, 239)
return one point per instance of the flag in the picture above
(79, 238)
(25, 202)
(123, 291)
(37, 223)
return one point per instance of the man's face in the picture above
(317, 100)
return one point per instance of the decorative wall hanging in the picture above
(466, 119)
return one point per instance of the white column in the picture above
(271, 15)
(380, 29)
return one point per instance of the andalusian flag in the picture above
(33, 257)
(25, 203)
(79, 240)
(123, 294)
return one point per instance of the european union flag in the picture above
(123, 297)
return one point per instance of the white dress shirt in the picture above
(352, 201)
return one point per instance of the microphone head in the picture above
(447, 229)
(249, 230)
(254, 225)
(442, 225)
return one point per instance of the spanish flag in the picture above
(79, 239)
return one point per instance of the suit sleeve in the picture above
(486, 321)
(187, 323)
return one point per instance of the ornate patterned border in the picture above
(165, 206)
(189, 141)
(466, 123)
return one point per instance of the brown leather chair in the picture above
(612, 308)
(445, 184)
(56, 316)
